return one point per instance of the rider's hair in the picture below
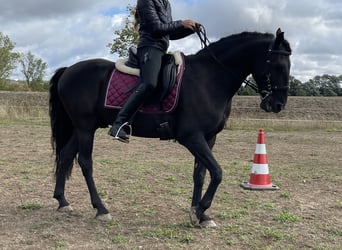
(136, 18)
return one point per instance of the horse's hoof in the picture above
(65, 209)
(193, 217)
(208, 224)
(104, 217)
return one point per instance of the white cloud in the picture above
(259, 14)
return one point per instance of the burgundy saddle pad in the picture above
(121, 86)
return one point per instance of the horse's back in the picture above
(83, 85)
(83, 72)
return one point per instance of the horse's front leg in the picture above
(64, 164)
(199, 176)
(199, 147)
(85, 140)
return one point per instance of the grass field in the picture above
(147, 187)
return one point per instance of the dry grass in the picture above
(147, 186)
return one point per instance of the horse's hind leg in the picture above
(85, 142)
(63, 168)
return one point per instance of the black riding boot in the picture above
(121, 124)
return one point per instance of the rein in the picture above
(202, 34)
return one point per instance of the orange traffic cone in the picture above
(260, 176)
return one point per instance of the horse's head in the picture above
(272, 75)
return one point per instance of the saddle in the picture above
(167, 75)
(125, 78)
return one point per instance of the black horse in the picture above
(211, 78)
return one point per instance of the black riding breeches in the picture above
(150, 60)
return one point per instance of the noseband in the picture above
(201, 32)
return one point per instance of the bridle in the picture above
(268, 75)
(201, 32)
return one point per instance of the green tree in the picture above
(328, 85)
(126, 37)
(340, 85)
(33, 69)
(8, 58)
(325, 85)
(310, 88)
(296, 87)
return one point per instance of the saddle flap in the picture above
(168, 75)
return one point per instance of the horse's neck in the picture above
(241, 52)
(231, 62)
(231, 67)
(244, 55)
(216, 79)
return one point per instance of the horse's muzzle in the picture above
(269, 106)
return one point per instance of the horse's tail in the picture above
(61, 125)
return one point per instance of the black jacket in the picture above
(157, 26)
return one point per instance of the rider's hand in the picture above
(190, 24)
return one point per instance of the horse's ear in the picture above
(279, 38)
(279, 31)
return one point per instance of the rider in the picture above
(156, 28)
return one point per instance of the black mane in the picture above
(236, 40)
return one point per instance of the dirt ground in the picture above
(147, 187)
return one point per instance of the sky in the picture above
(64, 32)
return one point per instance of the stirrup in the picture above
(123, 126)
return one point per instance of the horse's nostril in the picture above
(280, 106)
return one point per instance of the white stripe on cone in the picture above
(260, 149)
(260, 168)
